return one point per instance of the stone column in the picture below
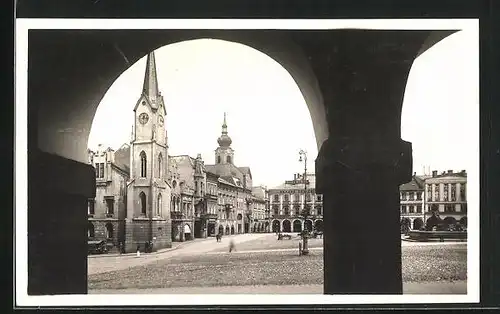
(362, 75)
(57, 223)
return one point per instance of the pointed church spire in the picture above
(224, 125)
(224, 140)
(150, 87)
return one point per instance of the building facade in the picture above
(146, 197)
(434, 199)
(446, 197)
(288, 201)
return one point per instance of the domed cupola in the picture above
(224, 140)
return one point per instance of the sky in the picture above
(202, 79)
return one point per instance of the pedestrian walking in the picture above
(231, 246)
(138, 254)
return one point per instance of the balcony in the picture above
(177, 215)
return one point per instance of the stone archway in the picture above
(276, 226)
(463, 221)
(297, 225)
(449, 220)
(232, 229)
(418, 224)
(287, 226)
(308, 225)
(228, 230)
(221, 229)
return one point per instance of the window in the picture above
(143, 164)
(308, 197)
(99, 170)
(320, 210)
(453, 192)
(109, 205)
(429, 193)
(286, 210)
(142, 198)
(228, 158)
(318, 198)
(419, 196)
(276, 198)
(445, 192)
(160, 166)
(419, 208)
(218, 159)
(276, 210)
(159, 204)
(91, 206)
(412, 196)
(462, 192)
(287, 197)
(412, 209)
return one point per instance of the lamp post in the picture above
(305, 212)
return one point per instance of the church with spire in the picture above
(146, 198)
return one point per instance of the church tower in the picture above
(224, 154)
(148, 193)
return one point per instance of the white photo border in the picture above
(22, 26)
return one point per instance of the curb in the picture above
(142, 253)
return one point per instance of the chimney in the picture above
(434, 173)
(450, 171)
(294, 176)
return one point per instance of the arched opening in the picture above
(308, 225)
(160, 166)
(142, 198)
(228, 230)
(188, 235)
(449, 221)
(90, 230)
(221, 230)
(276, 226)
(433, 222)
(159, 205)
(287, 226)
(318, 225)
(463, 221)
(109, 231)
(418, 224)
(142, 155)
(232, 229)
(405, 225)
(297, 225)
(239, 217)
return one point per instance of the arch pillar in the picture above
(52, 226)
(363, 86)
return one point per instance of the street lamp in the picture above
(305, 212)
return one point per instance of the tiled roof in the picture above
(415, 184)
(122, 158)
(245, 170)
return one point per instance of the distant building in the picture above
(439, 197)
(446, 196)
(288, 201)
(412, 203)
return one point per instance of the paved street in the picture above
(103, 263)
(457, 287)
(261, 263)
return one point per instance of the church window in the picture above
(158, 208)
(142, 197)
(218, 159)
(109, 205)
(143, 164)
(160, 165)
(91, 206)
(228, 159)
